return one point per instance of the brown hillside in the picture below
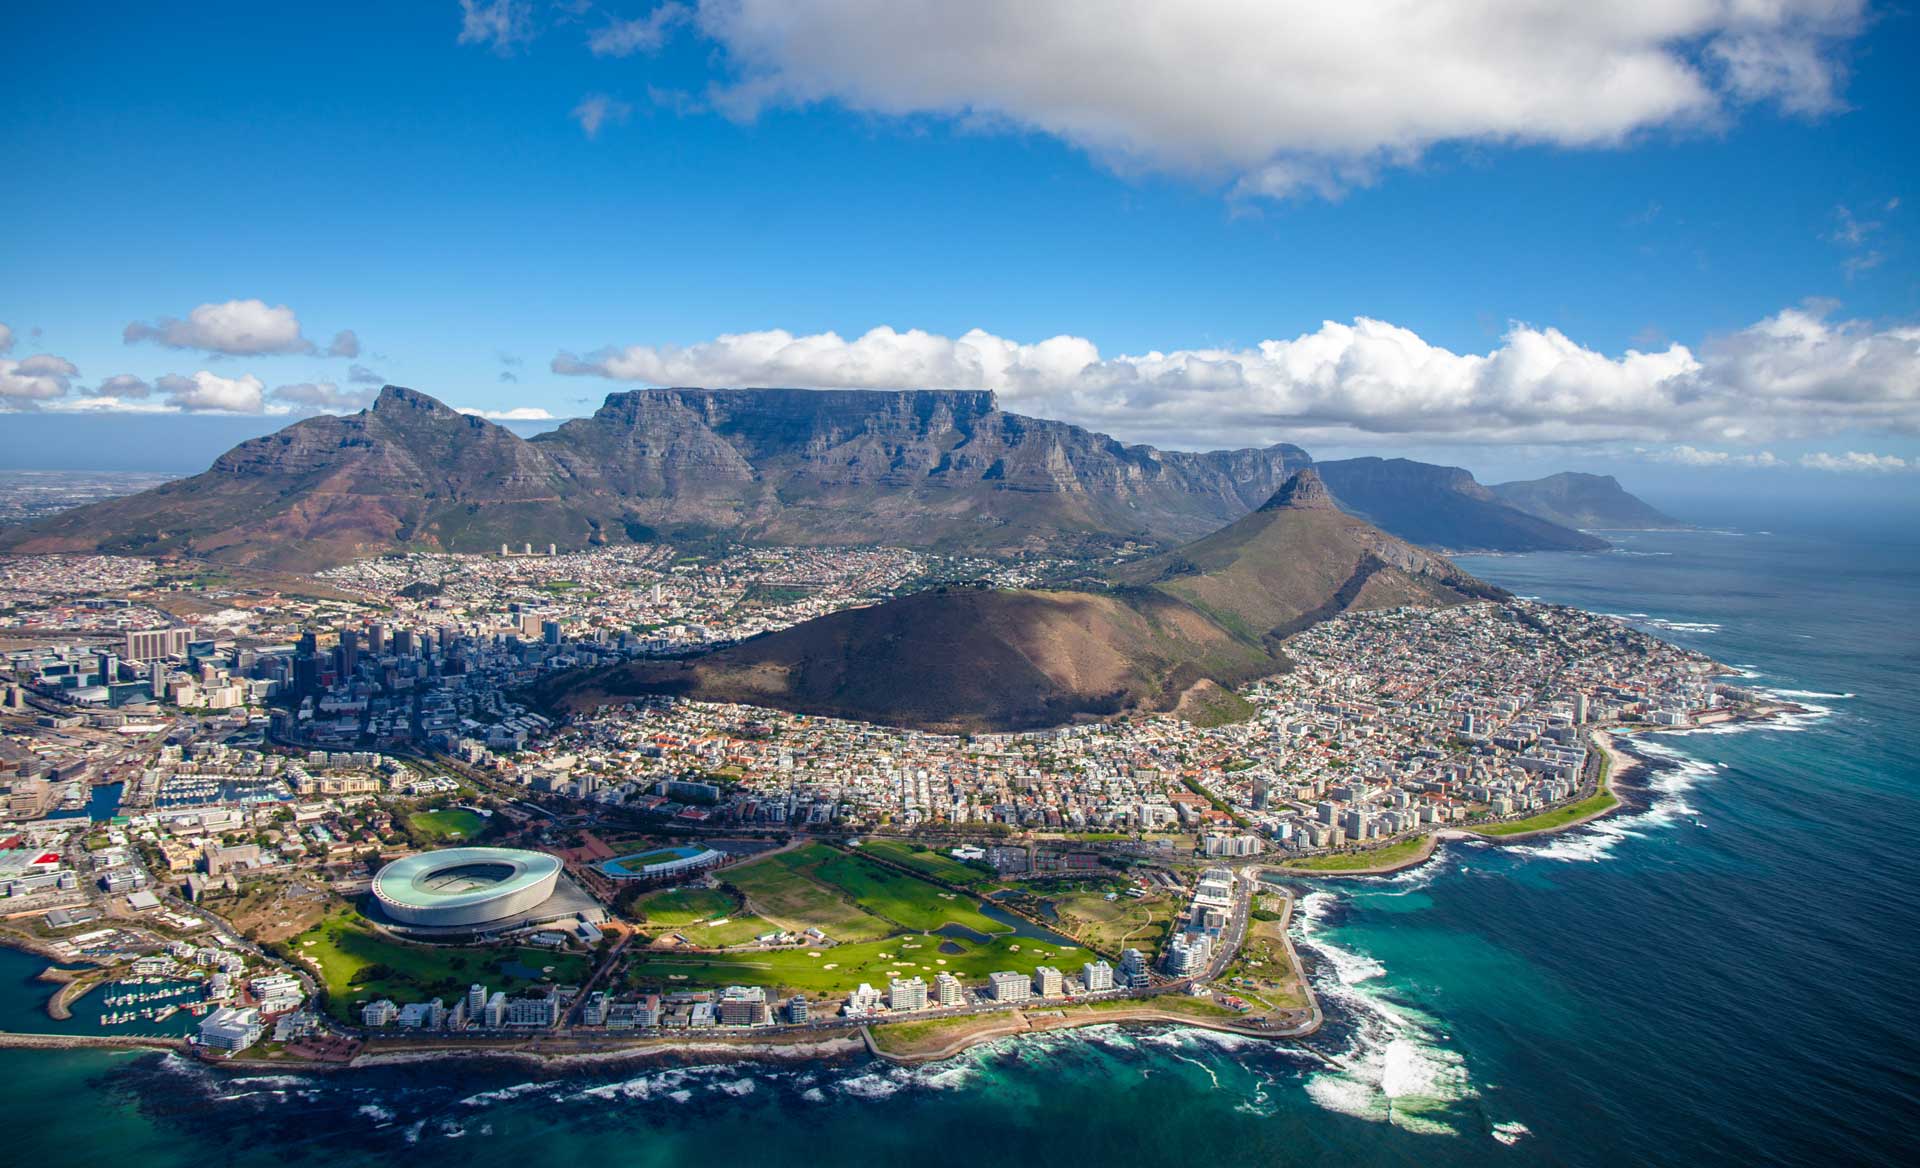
(960, 659)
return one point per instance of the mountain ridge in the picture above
(944, 470)
(1444, 506)
(1585, 502)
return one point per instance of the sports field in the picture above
(450, 823)
(838, 969)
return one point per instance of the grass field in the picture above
(1353, 861)
(930, 861)
(1262, 972)
(834, 971)
(1113, 925)
(1558, 817)
(1187, 1004)
(448, 824)
(850, 898)
(929, 1035)
(638, 860)
(914, 905)
(359, 965)
(781, 891)
(693, 913)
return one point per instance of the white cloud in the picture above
(361, 375)
(346, 343)
(517, 414)
(97, 404)
(503, 24)
(27, 383)
(246, 328)
(322, 395)
(1794, 374)
(211, 392)
(6, 339)
(1684, 455)
(1854, 460)
(645, 34)
(596, 110)
(1286, 96)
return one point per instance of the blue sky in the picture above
(364, 168)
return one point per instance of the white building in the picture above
(1011, 987)
(232, 1029)
(908, 993)
(380, 1013)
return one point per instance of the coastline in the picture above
(856, 1041)
(1622, 764)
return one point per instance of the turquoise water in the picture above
(1722, 976)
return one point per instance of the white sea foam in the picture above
(663, 1082)
(1397, 1068)
(1511, 1132)
(378, 1114)
(503, 1094)
(272, 1082)
(735, 1087)
(872, 1085)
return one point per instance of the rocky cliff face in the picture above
(939, 468)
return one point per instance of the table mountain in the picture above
(931, 468)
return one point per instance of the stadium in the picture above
(469, 891)
(662, 864)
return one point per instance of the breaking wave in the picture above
(1396, 1067)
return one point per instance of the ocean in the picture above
(1723, 975)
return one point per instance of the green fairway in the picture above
(781, 891)
(359, 965)
(838, 969)
(707, 917)
(851, 898)
(1351, 861)
(913, 904)
(930, 861)
(1558, 817)
(448, 824)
